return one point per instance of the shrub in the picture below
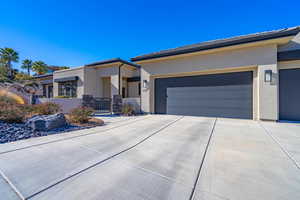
(81, 114)
(11, 112)
(22, 77)
(8, 100)
(62, 97)
(127, 109)
(47, 108)
(27, 109)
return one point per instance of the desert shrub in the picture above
(7, 100)
(47, 108)
(62, 97)
(27, 109)
(11, 112)
(22, 77)
(127, 109)
(81, 114)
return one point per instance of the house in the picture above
(46, 81)
(255, 76)
(98, 81)
(46, 85)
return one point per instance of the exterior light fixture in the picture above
(268, 76)
(145, 83)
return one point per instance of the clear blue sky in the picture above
(74, 33)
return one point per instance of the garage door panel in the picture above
(236, 92)
(229, 104)
(220, 95)
(228, 112)
(289, 94)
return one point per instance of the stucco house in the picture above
(100, 80)
(255, 76)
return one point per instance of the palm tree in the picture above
(7, 56)
(39, 67)
(27, 64)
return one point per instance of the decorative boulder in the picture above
(46, 122)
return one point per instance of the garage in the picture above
(226, 95)
(289, 94)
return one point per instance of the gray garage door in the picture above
(219, 95)
(289, 94)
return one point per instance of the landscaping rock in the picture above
(10, 132)
(46, 122)
(36, 126)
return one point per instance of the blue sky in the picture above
(74, 33)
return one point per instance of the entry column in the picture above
(268, 91)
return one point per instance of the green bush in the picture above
(62, 97)
(47, 108)
(81, 114)
(127, 109)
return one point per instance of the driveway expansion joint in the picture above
(106, 159)
(13, 187)
(192, 196)
(280, 146)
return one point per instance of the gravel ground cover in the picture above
(10, 132)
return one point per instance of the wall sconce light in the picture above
(145, 83)
(268, 76)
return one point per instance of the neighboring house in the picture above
(46, 85)
(46, 81)
(53, 68)
(255, 76)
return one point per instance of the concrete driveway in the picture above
(157, 157)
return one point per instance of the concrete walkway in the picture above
(156, 157)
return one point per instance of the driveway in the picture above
(157, 157)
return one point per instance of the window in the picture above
(68, 88)
(139, 88)
(123, 92)
(44, 91)
(50, 91)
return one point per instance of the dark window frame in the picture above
(68, 89)
(44, 91)
(50, 91)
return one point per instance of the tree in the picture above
(39, 67)
(64, 67)
(27, 65)
(22, 77)
(7, 56)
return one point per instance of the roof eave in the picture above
(257, 38)
(112, 61)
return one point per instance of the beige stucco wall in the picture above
(133, 90)
(70, 72)
(93, 80)
(92, 83)
(106, 87)
(260, 58)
